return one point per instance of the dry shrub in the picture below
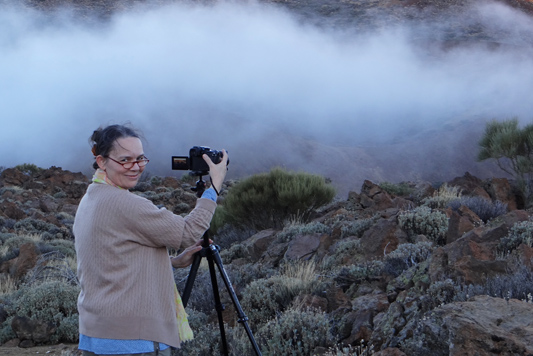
(443, 196)
(265, 298)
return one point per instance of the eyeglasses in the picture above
(129, 164)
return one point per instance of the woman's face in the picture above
(124, 149)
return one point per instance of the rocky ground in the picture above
(461, 296)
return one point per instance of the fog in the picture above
(242, 77)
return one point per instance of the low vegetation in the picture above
(295, 306)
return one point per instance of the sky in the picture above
(243, 76)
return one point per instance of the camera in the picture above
(195, 162)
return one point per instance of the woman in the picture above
(128, 302)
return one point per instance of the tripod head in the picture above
(200, 184)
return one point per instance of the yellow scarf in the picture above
(183, 323)
(185, 332)
(100, 176)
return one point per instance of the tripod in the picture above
(210, 252)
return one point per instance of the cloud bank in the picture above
(240, 76)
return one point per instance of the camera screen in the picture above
(180, 162)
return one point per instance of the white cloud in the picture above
(222, 75)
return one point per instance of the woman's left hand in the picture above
(185, 258)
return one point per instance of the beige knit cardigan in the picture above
(127, 284)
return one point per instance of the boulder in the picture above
(500, 189)
(481, 326)
(382, 238)
(460, 222)
(26, 260)
(32, 331)
(472, 257)
(469, 185)
(372, 196)
(259, 243)
(55, 179)
(12, 210)
(13, 177)
(303, 247)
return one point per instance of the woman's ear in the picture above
(100, 161)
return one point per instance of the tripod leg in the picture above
(243, 319)
(190, 280)
(219, 307)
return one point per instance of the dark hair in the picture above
(103, 139)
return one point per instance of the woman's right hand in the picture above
(218, 171)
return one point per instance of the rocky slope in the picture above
(464, 291)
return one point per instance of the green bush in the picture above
(295, 332)
(426, 221)
(512, 149)
(28, 168)
(267, 200)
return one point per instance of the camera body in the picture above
(195, 161)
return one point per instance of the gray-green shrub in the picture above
(52, 301)
(290, 231)
(426, 221)
(344, 251)
(484, 208)
(358, 227)
(46, 230)
(296, 333)
(206, 340)
(348, 275)
(520, 233)
(406, 256)
(266, 298)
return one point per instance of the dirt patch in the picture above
(56, 350)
